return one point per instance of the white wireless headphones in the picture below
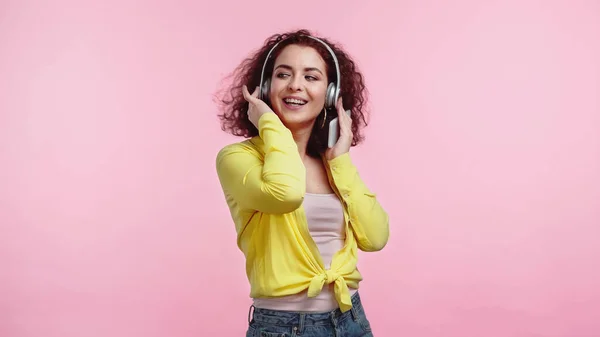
(333, 89)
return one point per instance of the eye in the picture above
(311, 78)
(282, 75)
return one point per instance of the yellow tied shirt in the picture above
(264, 181)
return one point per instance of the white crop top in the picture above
(325, 216)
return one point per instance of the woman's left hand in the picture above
(345, 141)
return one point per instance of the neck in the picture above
(301, 137)
(301, 140)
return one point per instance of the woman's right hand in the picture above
(256, 106)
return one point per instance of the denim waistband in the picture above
(294, 318)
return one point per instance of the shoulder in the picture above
(252, 146)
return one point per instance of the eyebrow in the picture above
(285, 66)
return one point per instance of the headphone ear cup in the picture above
(330, 96)
(264, 90)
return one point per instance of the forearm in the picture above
(369, 221)
(283, 168)
(273, 181)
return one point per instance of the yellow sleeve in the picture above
(368, 219)
(275, 183)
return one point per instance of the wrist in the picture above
(331, 155)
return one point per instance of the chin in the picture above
(296, 119)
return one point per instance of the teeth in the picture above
(294, 101)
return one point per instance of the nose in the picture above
(295, 83)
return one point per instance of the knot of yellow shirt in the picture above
(342, 294)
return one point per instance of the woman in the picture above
(300, 209)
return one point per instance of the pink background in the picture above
(484, 146)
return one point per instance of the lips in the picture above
(294, 101)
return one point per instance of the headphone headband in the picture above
(332, 97)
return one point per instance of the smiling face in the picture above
(298, 86)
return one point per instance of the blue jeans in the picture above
(275, 323)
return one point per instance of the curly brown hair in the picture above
(233, 106)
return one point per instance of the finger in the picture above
(344, 115)
(245, 92)
(348, 114)
(345, 122)
(339, 106)
(251, 98)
